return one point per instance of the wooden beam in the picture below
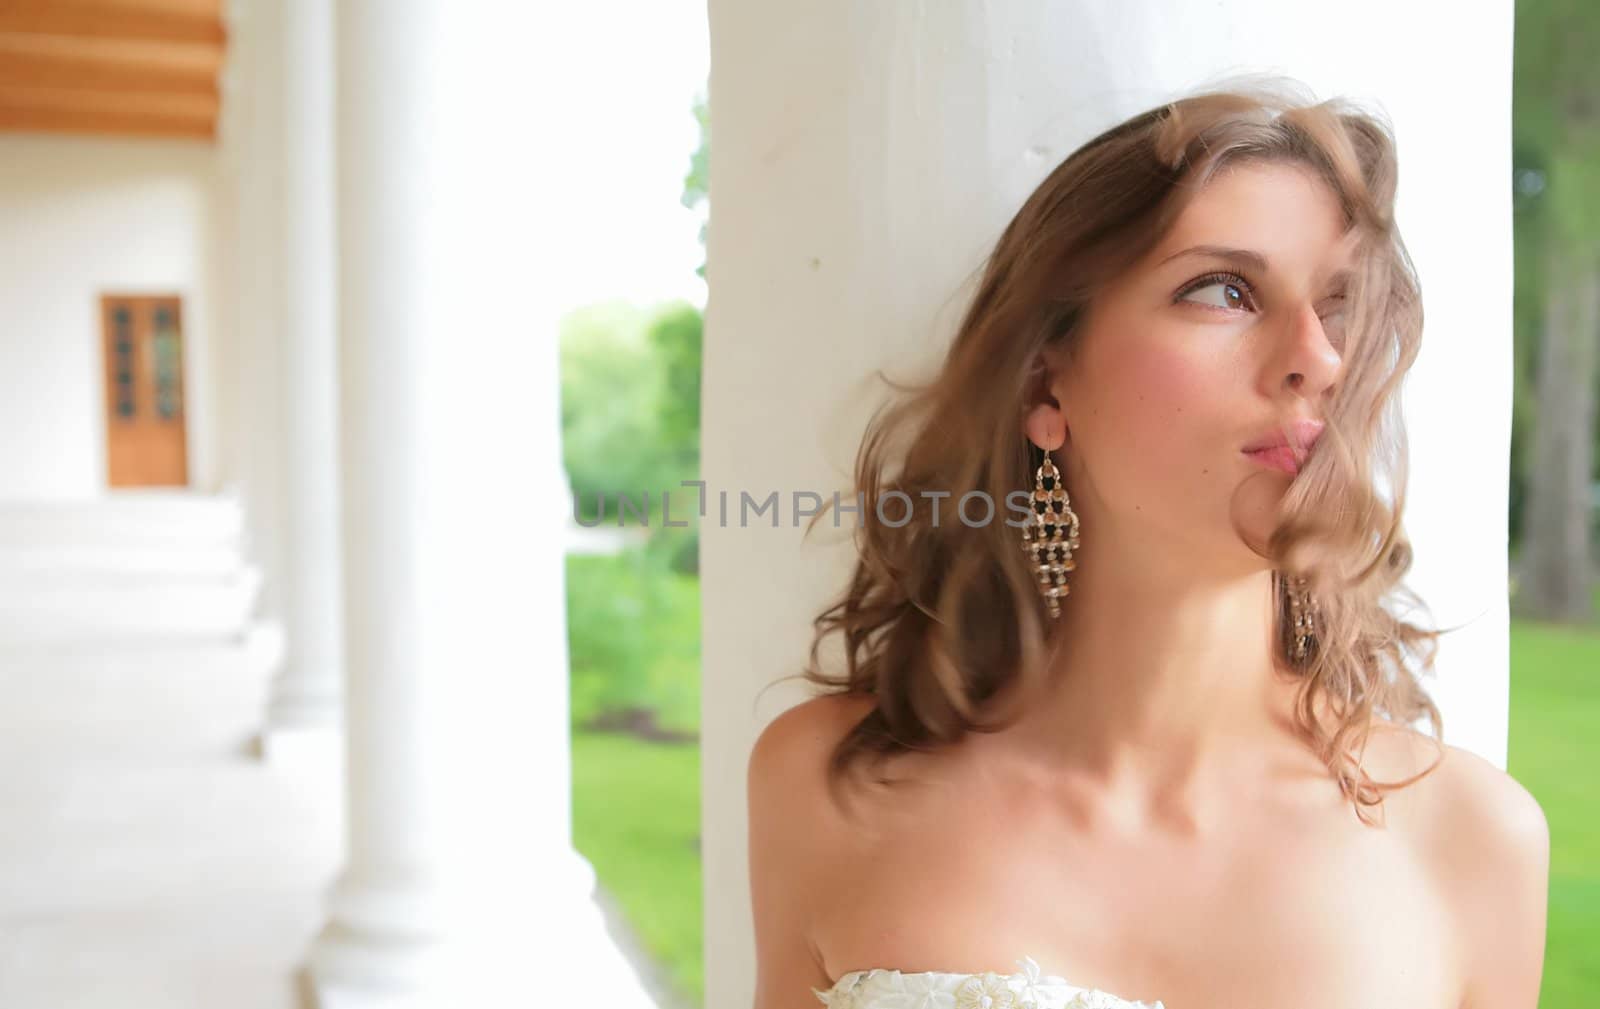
(151, 20)
(98, 64)
(137, 113)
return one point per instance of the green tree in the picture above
(675, 334)
(612, 389)
(1556, 439)
(697, 183)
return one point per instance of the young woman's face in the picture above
(1196, 353)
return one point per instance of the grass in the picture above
(636, 818)
(1553, 749)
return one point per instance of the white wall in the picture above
(866, 156)
(82, 216)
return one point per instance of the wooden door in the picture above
(146, 444)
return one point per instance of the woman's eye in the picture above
(1332, 316)
(1221, 293)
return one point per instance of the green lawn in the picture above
(636, 818)
(1554, 749)
(636, 809)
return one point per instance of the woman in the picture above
(1155, 743)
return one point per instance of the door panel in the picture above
(146, 443)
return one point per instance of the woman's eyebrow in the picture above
(1250, 257)
(1247, 256)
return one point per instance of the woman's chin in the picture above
(1254, 509)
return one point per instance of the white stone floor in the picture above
(147, 857)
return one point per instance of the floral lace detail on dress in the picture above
(883, 988)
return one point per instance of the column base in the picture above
(294, 710)
(351, 972)
(319, 745)
(304, 712)
(380, 948)
(389, 946)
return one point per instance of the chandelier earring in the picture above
(1303, 613)
(1051, 534)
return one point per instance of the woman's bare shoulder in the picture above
(1465, 799)
(791, 794)
(1486, 817)
(796, 846)
(1486, 840)
(791, 754)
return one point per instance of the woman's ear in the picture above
(1042, 419)
(1045, 426)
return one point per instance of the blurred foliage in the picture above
(612, 389)
(630, 408)
(697, 184)
(630, 401)
(633, 628)
(1556, 110)
(675, 334)
(1555, 189)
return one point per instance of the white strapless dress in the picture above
(884, 988)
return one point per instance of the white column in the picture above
(255, 121)
(305, 694)
(848, 214)
(461, 886)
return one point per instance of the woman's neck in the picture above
(1161, 693)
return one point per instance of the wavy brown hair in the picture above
(937, 618)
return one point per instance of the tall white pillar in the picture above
(461, 886)
(305, 694)
(846, 219)
(255, 120)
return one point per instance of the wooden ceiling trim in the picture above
(139, 67)
(57, 61)
(80, 110)
(148, 20)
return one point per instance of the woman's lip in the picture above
(1280, 457)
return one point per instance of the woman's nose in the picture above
(1309, 362)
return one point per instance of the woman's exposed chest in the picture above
(1273, 911)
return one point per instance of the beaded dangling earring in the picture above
(1052, 535)
(1303, 610)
